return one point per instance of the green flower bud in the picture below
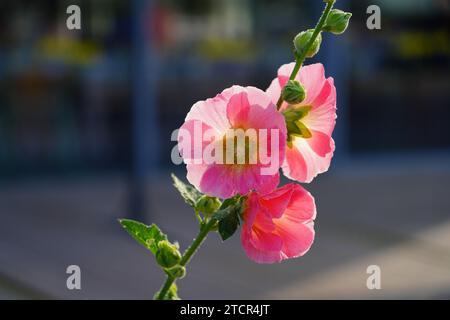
(208, 205)
(293, 92)
(176, 271)
(302, 39)
(337, 21)
(167, 255)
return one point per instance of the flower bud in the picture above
(293, 92)
(167, 255)
(208, 205)
(302, 39)
(337, 21)
(176, 271)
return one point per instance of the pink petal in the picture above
(254, 109)
(238, 109)
(320, 143)
(284, 72)
(274, 90)
(224, 181)
(294, 166)
(322, 117)
(313, 78)
(257, 254)
(303, 164)
(263, 221)
(302, 207)
(195, 174)
(251, 209)
(297, 237)
(277, 201)
(212, 112)
(296, 226)
(187, 147)
(259, 97)
(270, 183)
(266, 239)
(217, 180)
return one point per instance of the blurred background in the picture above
(86, 118)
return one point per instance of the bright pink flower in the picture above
(308, 156)
(278, 225)
(234, 108)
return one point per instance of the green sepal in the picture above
(304, 131)
(176, 271)
(294, 125)
(293, 113)
(229, 216)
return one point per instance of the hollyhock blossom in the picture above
(236, 108)
(278, 225)
(310, 147)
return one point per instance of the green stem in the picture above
(165, 288)
(301, 58)
(187, 256)
(199, 218)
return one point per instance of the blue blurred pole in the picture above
(335, 55)
(144, 126)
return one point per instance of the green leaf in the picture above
(188, 192)
(228, 216)
(148, 236)
(228, 225)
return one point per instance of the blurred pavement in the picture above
(368, 214)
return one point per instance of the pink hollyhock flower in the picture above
(278, 225)
(236, 108)
(309, 153)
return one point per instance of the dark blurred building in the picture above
(400, 83)
(67, 97)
